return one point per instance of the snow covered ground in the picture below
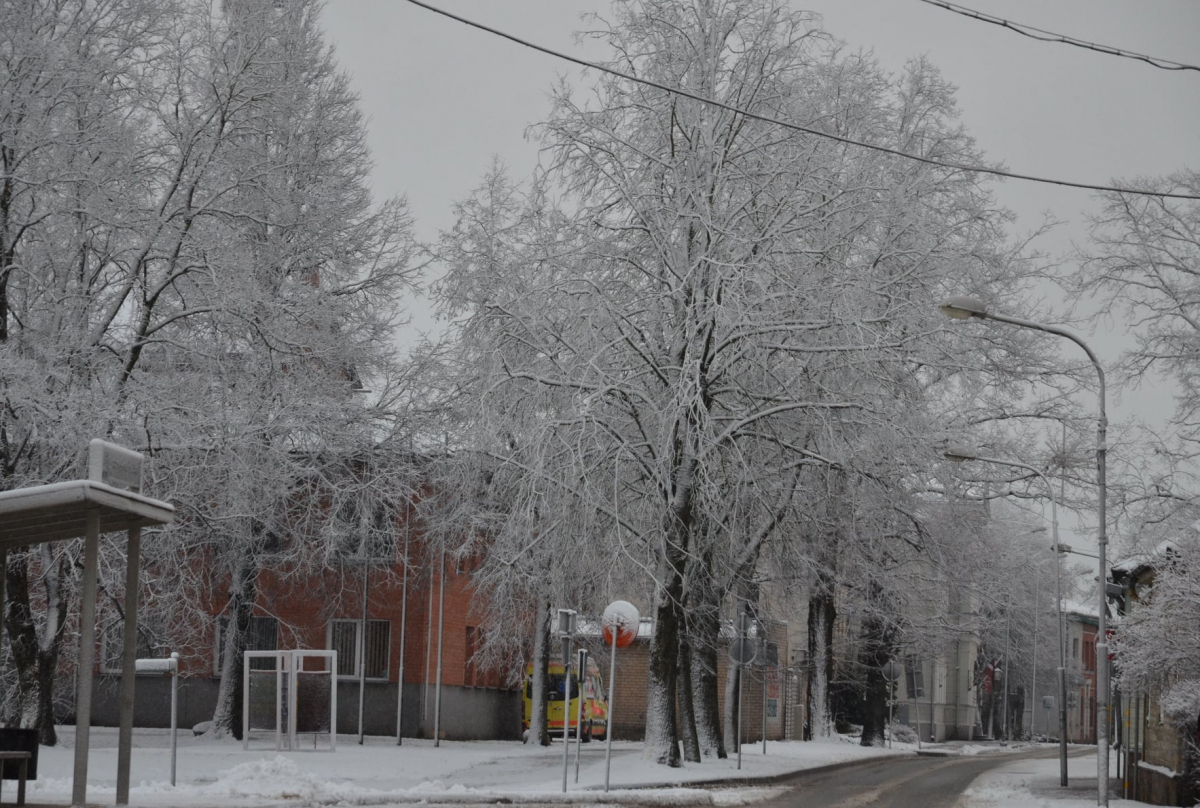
(219, 773)
(1034, 784)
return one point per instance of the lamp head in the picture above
(961, 307)
(959, 453)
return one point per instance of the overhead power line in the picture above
(1050, 36)
(794, 126)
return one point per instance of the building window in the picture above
(1074, 648)
(345, 637)
(914, 677)
(262, 634)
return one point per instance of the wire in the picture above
(1049, 36)
(794, 126)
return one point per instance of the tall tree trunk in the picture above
(227, 718)
(539, 732)
(35, 655)
(732, 707)
(706, 626)
(687, 715)
(662, 736)
(876, 650)
(821, 616)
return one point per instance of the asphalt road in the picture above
(928, 782)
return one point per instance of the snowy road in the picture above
(931, 782)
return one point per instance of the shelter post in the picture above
(87, 659)
(133, 563)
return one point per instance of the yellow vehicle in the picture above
(595, 706)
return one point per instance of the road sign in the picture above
(1047, 702)
(621, 621)
(744, 648)
(892, 670)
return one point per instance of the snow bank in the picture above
(220, 774)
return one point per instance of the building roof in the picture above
(1080, 608)
(1141, 561)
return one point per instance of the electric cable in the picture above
(1049, 36)
(794, 126)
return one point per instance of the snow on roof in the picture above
(1080, 608)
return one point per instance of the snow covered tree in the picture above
(1141, 264)
(721, 313)
(200, 274)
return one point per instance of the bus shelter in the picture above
(108, 501)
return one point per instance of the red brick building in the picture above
(324, 610)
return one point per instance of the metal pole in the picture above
(428, 652)
(1007, 626)
(932, 701)
(362, 645)
(1102, 672)
(437, 688)
(1062, 641)
(583, 654)
(764, 708)
(741, 677)
(87, 660)
(891, 706)
(608, 729)
(916, 706)
(1037, 600)
(566, 652)
(403, 626)
(133, 553)
(174, 711)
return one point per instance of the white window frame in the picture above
(358, 648)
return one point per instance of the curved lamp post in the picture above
(961, 307)
(960, 454)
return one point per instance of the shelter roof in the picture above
(60, 511)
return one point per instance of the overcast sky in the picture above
(443, 99)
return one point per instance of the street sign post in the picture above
(891, 672)
(169, 665)
(619, 628)
(742, 651)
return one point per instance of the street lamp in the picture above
(1063, 549)
(961, 307)
(960, 454)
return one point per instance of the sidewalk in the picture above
(1035, 784)
(219, 774)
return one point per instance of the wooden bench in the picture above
(23, 757)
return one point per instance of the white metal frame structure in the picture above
(109, 501)
(289, 667)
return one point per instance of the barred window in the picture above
(345, 637)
